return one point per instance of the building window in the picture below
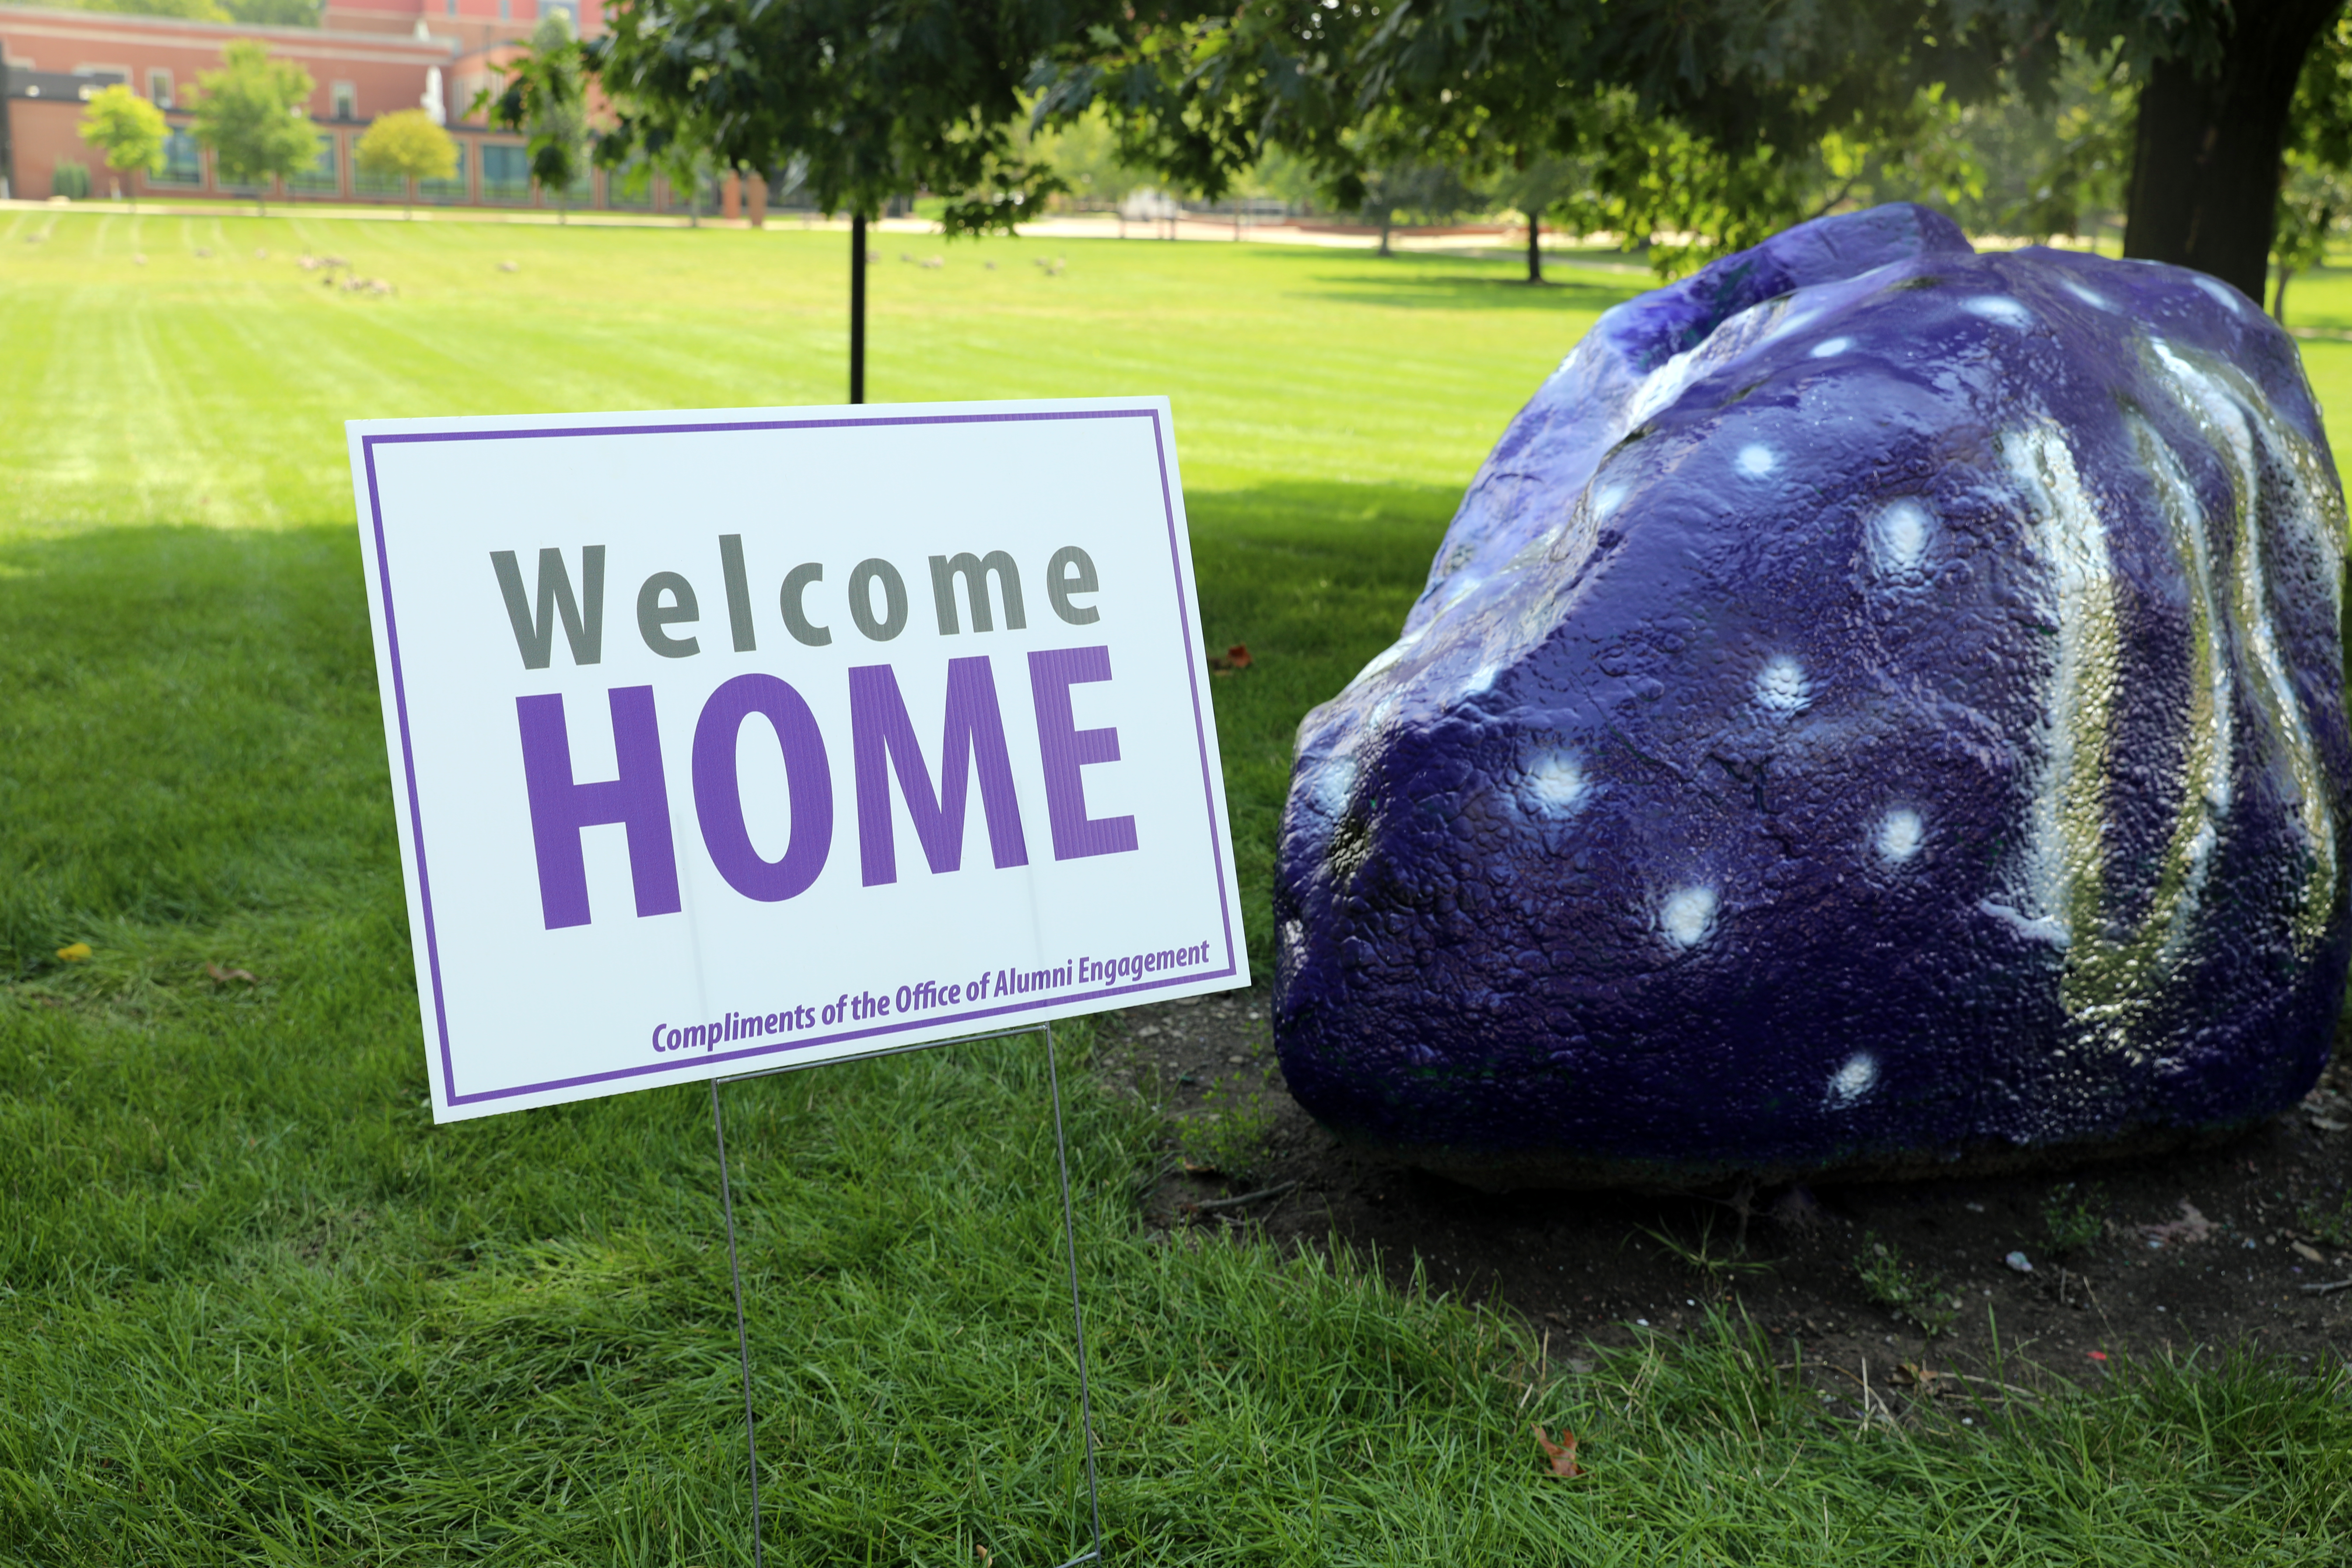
(506, 10)
(452, 189)
(159, 89)
(449, 8)
(346, 100)
(506, 171)
(319, 179)
(183, 164)
(376, 182)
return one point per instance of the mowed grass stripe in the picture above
(257, 1309)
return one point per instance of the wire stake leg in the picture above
(1077, 1311)
(742, 1335)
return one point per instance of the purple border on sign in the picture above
(368, 444)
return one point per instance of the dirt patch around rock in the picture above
(1944, 1286)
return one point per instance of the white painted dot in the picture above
(1900, 834)
(1606, 501)
(1830, 348)
(2220, 291)
(2000, 309)
(1335, 781)
(1687, 917)
(1556, 784)
(1481, 679)
(2089, 296)
(1782, 685)
(1854, 1081)
(1900, 534)
(1755, 460)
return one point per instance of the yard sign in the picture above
(729, 740)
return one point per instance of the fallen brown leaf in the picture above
(1234, 657)
(1911, 1374)
(1561, 1453)
(223, 976)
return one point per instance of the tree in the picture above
(2313, 205)
(878, 98)
(546, 99)
(254, 115)
(1433, 191)
(128, 131)
(2209, 136)
(1741, 99)
(1084, 155)
(688, 167)
(2062, 170)
(2314, 195)
(405, 144)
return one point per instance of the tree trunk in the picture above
(857, 307)
(1385, 218)
(2278, 299)
(1535, 247)
(2206, 150)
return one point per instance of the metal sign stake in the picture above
(743, 1334)
(1069, 1239)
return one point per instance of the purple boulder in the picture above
(1881, 706)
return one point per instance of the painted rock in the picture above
(1880, 707)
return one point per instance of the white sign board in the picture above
(728, 740)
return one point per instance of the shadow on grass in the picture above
(1315, 578)
(1461, 283)
(191, 727)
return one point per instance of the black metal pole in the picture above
(857, 307)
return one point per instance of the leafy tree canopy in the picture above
(1705, 123)
(875, 98)
(1718, 119)
(254, 114)
(546, 98)
(126, 129)
(406, 145)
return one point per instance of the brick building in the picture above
(369, 57)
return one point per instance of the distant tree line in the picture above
(2219, 131)
(1687, 126)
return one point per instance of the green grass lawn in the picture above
(255, 1308)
